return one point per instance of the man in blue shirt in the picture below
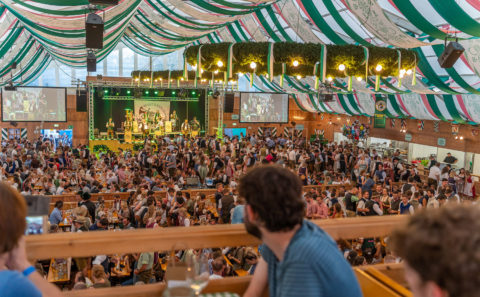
(298, 258)
(56, 214)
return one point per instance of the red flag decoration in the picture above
(421, 125)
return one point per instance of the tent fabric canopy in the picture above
(33, 33)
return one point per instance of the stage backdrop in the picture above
(163, 107)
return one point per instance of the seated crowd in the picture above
(351, 182)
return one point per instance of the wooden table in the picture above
(54, 278)
(65, 227)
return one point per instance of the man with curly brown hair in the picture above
(441, 251)
(298, 258)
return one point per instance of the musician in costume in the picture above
(110, 128)
(195, 126)
(144, 128)
(174, 120)
(185, 128)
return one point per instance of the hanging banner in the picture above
(372, 16)
(472, 53)
(421, 125)
(436, 126)
(379, 120)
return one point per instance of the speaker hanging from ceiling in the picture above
(103, 2)
(91, 62)
(453, 50)
(94, 31)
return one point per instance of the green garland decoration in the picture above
(162, 76)
(307, 54)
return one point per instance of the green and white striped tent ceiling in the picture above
(33, 33)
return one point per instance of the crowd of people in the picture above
(354, 182)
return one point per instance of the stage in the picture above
(129, 114)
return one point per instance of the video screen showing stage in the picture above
(29, 104)
(263, 108)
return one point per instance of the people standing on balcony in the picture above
(298, 258)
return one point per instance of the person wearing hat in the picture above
(88, 204)
(81, 212)
(449, 159)
(79, 224)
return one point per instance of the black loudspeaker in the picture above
(103, 2)
(228, 103)
(91, 62)
(450, 55)
(94, 31)
(82, 101)
(14, 65)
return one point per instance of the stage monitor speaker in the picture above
(103, 2)
(228, 103)
(82, 101)
(91, 62)
(94, 31)
(450, 55)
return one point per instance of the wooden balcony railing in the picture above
(164, 239)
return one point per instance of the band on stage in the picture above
(147, 122)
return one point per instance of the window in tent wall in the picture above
(48, 76)
(113, 63)
(99, 68)
(158, 63)
(65, 76)
(127, 62)
(143, 62)
(81, 74)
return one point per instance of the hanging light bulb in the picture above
(341, 67)
(359, 78)
(253, 65)
(201, 70)
(240, 74)
(402, 71)
(378, 68)
(181, 78)
(461, 137)
(215, 72)
(295, 63)
(299, 76)
(220, 63)
(330, 78)
(194, 67)
(409, 71)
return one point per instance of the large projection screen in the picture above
(31, 104)
(263, 108)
